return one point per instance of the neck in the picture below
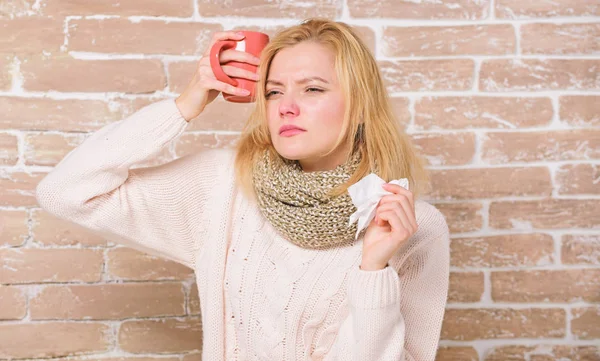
(325, 163)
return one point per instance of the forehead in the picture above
(304, 59)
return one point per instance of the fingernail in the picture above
(245, 92)
(240, 33)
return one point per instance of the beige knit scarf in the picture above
(298, 205)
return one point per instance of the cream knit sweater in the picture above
(262, 298)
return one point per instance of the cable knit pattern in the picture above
(262, 297)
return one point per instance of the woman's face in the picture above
(305, 106)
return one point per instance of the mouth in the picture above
(290, 130)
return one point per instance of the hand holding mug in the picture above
(204, 86)
(253, 43)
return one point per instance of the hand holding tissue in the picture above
(397, 212)
(365, 195)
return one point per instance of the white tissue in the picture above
(365, 195)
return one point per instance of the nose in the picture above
(288, 106)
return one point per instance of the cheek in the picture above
(331, 113)
(272, 116)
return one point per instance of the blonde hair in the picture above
(369, 122)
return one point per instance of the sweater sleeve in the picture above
(397, 315)
(154, 209)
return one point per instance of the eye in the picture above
(270, 93)
(312, 90)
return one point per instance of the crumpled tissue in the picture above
(365, 195)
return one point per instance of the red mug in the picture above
(253, 42)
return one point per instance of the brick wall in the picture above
(502, 96)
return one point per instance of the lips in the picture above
(289, 129)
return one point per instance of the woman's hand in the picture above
(203, 88)
(394, 223)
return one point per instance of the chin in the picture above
(293, 152)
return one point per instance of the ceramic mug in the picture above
(253, 42)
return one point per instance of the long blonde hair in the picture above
(369, 122)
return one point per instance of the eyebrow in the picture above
(301, 81)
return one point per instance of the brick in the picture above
(580, 249)
(194, 300)
(13, 227)
(128, 264)
(536, 74)
(145, 36)
(49, 149)
(543, 352)
(129, 358)
(50, 265)
(53, 339)
(475, 183)
(434, 75)
(578, 179)
(449, 40)
(511, 250)
(367, 35)
(109, 301)
(180, 74)
(9, 9)
(13, 303)
(456, 353)
(60, 8)
(5, 72)
(31, 35)
(17, 189)
(272, 9)
(580, 110)
(121, 75)
(546, 286)
(164, 336)
(74, 115)
(482, 112)
(462, 217)
(557, 145)
(515, 9)
(48, 230)
(192, 143)
(465, 287)
(503, 323)
(193, 357)
(585, 324)
(409, 9)
(9, 149)
(560, 39)
(401, 109)
(266, 27)
(548, 213)
(445, 149)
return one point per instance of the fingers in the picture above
(240, 56)
(399, 231)
(401, 198)
(396, 189)
(222, 35)
(212, 83)
(397, 211)
(234, 72)
(227, 35)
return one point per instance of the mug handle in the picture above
(215, 64)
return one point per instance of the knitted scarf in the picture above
(297, 203)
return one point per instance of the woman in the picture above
(281, 275)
